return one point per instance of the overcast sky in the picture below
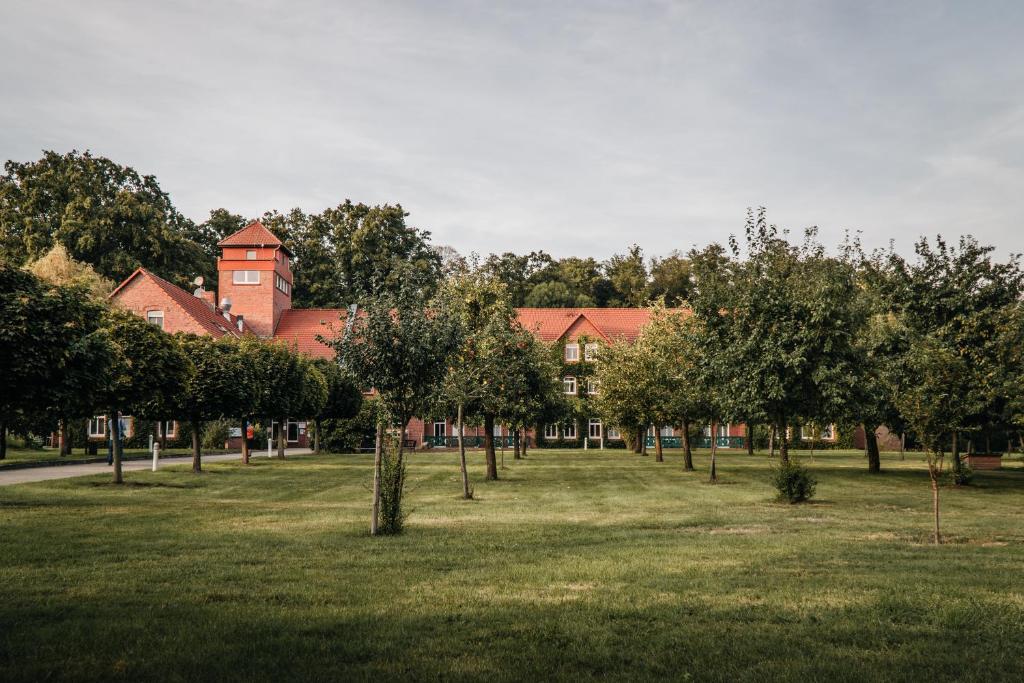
(577, 128)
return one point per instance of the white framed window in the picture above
(550, 431)
(707, 431)
(590, 352)
(572, 353)
(569, 385)
(155, 318)
(246, 277)
(497, 430)
(282, 284)
(667, 431)
(291, 433)
(250, 255)
(594, 429)
(569, 430)
(98, 426)
(614, 433)
(723, 429)
(828, 432)
(167, 429)
(592, 386)
(440, 429)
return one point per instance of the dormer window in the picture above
(572, 353)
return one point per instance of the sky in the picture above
(578, 128)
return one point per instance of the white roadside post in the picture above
(151, 443)
(270, 442)
(156, 455)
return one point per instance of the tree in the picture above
(399, 336)
(627, 275)
(670, 278)
(148, 370)
(934, 406)
(343, 399)
(105, 214)
(630, 397)
(781, 325)
(554, 295)
(517, 272)
(353, 250)
(58, 268)
(53, 351)
(218, 385)
(276, 385)
(959, 297)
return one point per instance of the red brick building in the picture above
(253, 296)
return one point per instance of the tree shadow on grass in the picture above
(143, 485)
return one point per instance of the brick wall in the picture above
(142, 295)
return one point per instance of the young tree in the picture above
(934, 411)
(217, 386)
(627, 375)
(389, 348)
(148, 369)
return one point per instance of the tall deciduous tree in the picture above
(105, 214)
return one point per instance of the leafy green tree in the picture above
(630, 397)
(959, 297)
(934, 411)
(670, 278)
(781, 325)
(343, 400)
(627, 275)
(517, 272)
(217, 386)
(400, 335)
(53, 352)
(105, 214)
(351, 251)
(148, 371)
(555, 295)
(58, 268)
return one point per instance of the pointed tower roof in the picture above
(253, 235)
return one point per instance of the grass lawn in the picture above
(575, 565)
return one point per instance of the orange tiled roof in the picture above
(253, 235)
(299, 327)
(613, 323)
(211, 320)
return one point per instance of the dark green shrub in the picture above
(392, 482)
(793, 482)
(215, 433)
(963, 477)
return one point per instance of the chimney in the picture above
(209, 297)
(240, 322)
(225, 307)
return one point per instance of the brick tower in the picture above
(254, 274)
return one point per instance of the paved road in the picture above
(31, 474)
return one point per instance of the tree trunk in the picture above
(115, 433)
(874, 458)
(687, 452)
(935, 503)
(3, 440)
(489, 454)
(462, 459)
(659, 455)
(903, 444)
(377, 453)
(197, 456)
(783, 444)
(638, 436)
(771, 442)
(643, 440)
(750, 439)
(714, 451)
(316, 437)
(282, 433)
(63, 441)
(245, 441)
(957, 465)
(988, 443)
